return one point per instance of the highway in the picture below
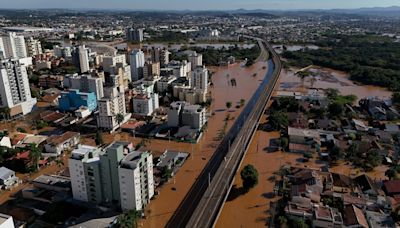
(202, 204)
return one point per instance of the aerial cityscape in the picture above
(199, 114)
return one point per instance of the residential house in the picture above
(303, 140)
(354, 217)
(57, 144)
(391, 187)
(7, 178)
(367, 186)
(327, 217)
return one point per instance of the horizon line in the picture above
(202, 10)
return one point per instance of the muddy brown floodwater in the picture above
(253, 208)
(328, 78)
(161, 209)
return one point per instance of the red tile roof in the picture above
(392, 186)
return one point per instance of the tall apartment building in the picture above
(117, 65)
(65, 52)
(34, 47)
(199, 78)
(160, 55)
(13, 46)
(84, 168)
(85, 83)
(110, 159)
(111, 106)
(136, 180)
(151, 69)
(135, 35)
(145, 104)
(116, 175)
(137, 63)
(109, 62)
(196, 59)
(184, 114)
(15, 92)
(80, 58)
(180, 69)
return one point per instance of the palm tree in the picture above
(120, 118)
(34, 155)
(59, 162)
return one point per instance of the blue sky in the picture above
(197, 4)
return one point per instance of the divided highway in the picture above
(202, 204)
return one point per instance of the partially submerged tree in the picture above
(249, 176)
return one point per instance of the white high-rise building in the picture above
(112, 106)
(199, 79)
(83, 59)
(34, 47)
(137, 61)
(13, 46)
(109, 62)
(136, 180)
(84, 169)
(15, 92)
(115, 175)
(196, 59)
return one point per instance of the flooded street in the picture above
(328, 78)
(160, 210)
(252, 209)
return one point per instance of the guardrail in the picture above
(203, 203)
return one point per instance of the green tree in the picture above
(166, 173)
(249, 176)
(120, 118)
(282, 221)
(298, 223)
(228, 105)
(308, 155)
(335, 109)
(335, 153)
(279, 120)
(373, 158)
(34, 155)
(391, 174)
(396, 98)
(242, 102)
(128, 219)
(332, 94)
(59, 162)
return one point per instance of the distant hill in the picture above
(393, 11)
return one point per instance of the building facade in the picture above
(85, 83)
(34, 47)
(114, 176)
(136, 180)
(199, 79)
(13, 46)
(137, 61)
(15, 92)
(134, 35)
(184, 114)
